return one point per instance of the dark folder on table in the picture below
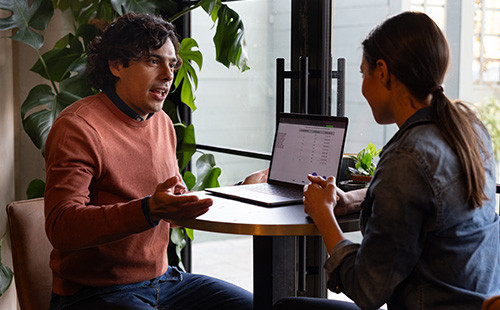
(303, 144)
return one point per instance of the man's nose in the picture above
(168, 73)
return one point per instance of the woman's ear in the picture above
(383, 74)
(115, 66)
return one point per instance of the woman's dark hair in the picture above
(416, 53)
(130, 37)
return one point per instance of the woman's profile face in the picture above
(375, 93)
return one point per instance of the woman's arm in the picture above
(349, 202)
(320, 198)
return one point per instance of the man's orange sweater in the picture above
(100, 163)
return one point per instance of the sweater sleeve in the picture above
(73, 160)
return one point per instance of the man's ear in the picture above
(116, 67)
(383, 73)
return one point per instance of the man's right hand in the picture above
(164, 204)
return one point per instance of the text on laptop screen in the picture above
(305, 147)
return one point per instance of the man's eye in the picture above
(153, 61)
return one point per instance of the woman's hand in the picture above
(349, 202)
(320, 197)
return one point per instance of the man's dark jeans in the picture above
(173, 290)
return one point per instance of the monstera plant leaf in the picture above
(40, 110)
(230, 46)
(58, 60)
(6, 273)
(208, 174)
(186, 73)
(229, 39)
(83, 11)
(27, 18)
(138, 6)
(229, 35)
(186, 144)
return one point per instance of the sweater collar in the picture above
(122, 106)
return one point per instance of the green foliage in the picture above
(6, 273)
(26, 19)
(65, 63)
(208, 174)
(489, 113)
(187, 73)
(36, 189)
(229, 37)
(363, 160)
(64, 69)
(178, 237)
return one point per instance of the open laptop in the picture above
(303, 144)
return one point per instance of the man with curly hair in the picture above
(113, 183)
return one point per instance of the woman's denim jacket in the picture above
(423, 245)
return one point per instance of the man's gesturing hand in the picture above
(164, 204)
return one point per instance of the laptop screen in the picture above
(307, 144)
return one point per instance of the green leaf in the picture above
(177, 237)
(208, 173)
(186, 145)
(40, 110)
(75, 88)
(83, 11)
(229, 39)
(137, 6)
(59, 60)
(211, 6)
(366, 161)
(36, 189)
(87, 33)
(189, 179)
(171, 109)
(189, 232)
(371, 148)
(6, 274)
(27, 19)
(187, 74)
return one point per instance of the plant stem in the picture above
(3, 236)
(183, 12)
(47, 71)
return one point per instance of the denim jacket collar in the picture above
(421, 117)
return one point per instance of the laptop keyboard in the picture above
(276, 190)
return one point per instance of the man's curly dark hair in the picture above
(130, 37)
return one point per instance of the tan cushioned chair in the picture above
(492, 303)
(30, 253)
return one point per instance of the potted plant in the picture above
(360, 168)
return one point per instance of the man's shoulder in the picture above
(87, 105)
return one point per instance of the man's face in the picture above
(145, 83)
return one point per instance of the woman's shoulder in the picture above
(424, 140)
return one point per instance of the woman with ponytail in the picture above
(431, 235)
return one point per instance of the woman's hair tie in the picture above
(436, 88)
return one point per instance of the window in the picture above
(486, 56)
(434, 8)
(235, 109)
